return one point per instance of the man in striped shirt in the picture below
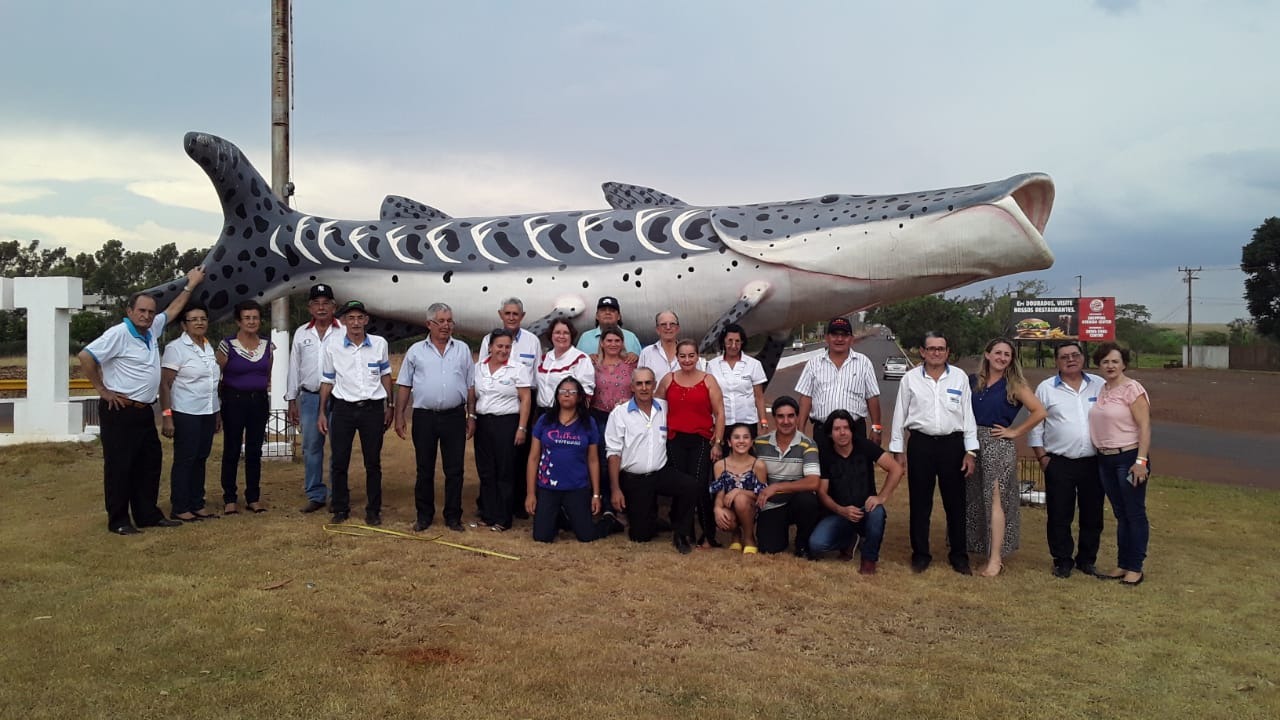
(839, 379)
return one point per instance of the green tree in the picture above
(911, 319)
(1211, 338)
(1240, 332)
(87, 325)
(1260, 261)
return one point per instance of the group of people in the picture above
(598, 425)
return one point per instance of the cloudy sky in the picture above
(1157, 119)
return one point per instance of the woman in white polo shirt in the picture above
(502, 398)
(189, 377)
(742, 380)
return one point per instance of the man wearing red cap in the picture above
(839, 379)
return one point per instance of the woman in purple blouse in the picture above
(245, 359)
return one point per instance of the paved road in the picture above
(1193, 451)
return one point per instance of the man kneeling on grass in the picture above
(848, 490)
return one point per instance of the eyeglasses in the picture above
(1070, 356)
(668, 324)
(568, 393)
(441, 322)
(935, 349)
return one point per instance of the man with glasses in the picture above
(660, 357)
(303, 389)
(935, 404)
(839, 379)
(1066, 454)
(436, 375)
(123, 365)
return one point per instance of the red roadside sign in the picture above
(1097, 319)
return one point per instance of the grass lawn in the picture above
(269, 616)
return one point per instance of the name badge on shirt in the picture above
(1093, 399)
(954, 395)
(374, 370)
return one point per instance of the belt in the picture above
(127, 402)
(310, 392)
(917, 433)
(1117, 451)
(641, 475)
(447, 411)
(361, 403)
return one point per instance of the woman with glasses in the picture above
(742, 380)
(245, 359)
(563, 476)
(1000, 391)
(189, 376)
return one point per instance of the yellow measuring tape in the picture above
(367, 531)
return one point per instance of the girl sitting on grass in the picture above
(739, 479)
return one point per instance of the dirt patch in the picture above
(425, 656)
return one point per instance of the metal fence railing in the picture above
(278, 443)
(1030, 481)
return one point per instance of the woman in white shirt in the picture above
(189, 376)
(501, 397)
(562, 361)
(742, 380)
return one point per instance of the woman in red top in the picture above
(695, 428)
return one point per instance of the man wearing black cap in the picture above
(839, 379)
(357, 374)
(608, 312)
(303, 390)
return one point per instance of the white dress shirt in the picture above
(1065, 431)
(305, 358)
(498, 393)
(738, 385)
(639, 439)
(655, 359)
(934, 407)
(195, 388)
(833, 388)
(355, 371)
(525, 348)
(130, 360)
(553, 369)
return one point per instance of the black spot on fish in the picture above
(228, 194)
(729, 223)
(828, 199)
(464, 224)
(260, 251)
(231, 230)
(504, 244)
(260, 223)
(374, 242)
(530, 253)
(626, 277)
(529, 280)
(695, 229)
(767, 231)
(610, 247)
(218, 301)
(242, 289)
(310, 235)
(585, 284)
(227, 270)
(419, 227)
(448, 276)
(762, 216)
(413, 245)
(253, 188)
(903, 206)
(451, 241)
(266, 203)
(557, 238)
(723, 249)
(484, 289)
(346, 268)
(291, 256)
(504, 223)
(395, 278)
(253, 263)
(240, 212)
(219, 253)
(657, 230)
(248, 233)
(471, 256)
(270, 273)
(638, 271)
(623, 225)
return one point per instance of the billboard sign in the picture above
(1088, 319)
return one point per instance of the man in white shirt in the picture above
(123, 365)
(608, 312)
(356, 374)
(636, 442)
(435, 380)
(303, 391)
(1070, 462)
(839, 379)
(934, 403)
(660, 357)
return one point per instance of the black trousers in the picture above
(244, 417)
(572, 505)
(192, 443)
(642, 491)
(691, 454)
(606, 488)
(936, 459)
(348, 419)
(1066, 482)
(773, 527)
(445, 430)
(131, 460)
(496, 454)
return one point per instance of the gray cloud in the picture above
(1256, 168)
(1116, 7)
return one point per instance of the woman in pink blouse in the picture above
(1120, 427)
(613, 366)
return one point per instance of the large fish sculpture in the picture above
(767, 266)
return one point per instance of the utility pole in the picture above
(1079, 286)
(281, 99)
(1190, 277)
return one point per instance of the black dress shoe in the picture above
(682, 544)
(421, 525)
(373, 519)
(126, 530)
(312, 506)
(962, 567)
(164, 522)
(920, 564)
(455, 525)
(341, 516)
(1087, 568)
(1062, 570)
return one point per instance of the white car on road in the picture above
(895, 367)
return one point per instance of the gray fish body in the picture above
(779, 264)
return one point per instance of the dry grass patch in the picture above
(268, 616)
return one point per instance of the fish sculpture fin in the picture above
(622, 196)
(395, 207)
(567, 308)
(753, 293)
(771, 353)
(392, 330)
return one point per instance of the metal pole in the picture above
(1188, 280)
(281, 97)
(1079, 286)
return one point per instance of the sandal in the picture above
(230, 509)
(750, 550)
(206, 516)
(256, 507)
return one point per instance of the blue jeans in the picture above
(1129, 504)
(312, 445)
(837, 533)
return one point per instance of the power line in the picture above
(1188, 280)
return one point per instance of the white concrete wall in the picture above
(1213, 357)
